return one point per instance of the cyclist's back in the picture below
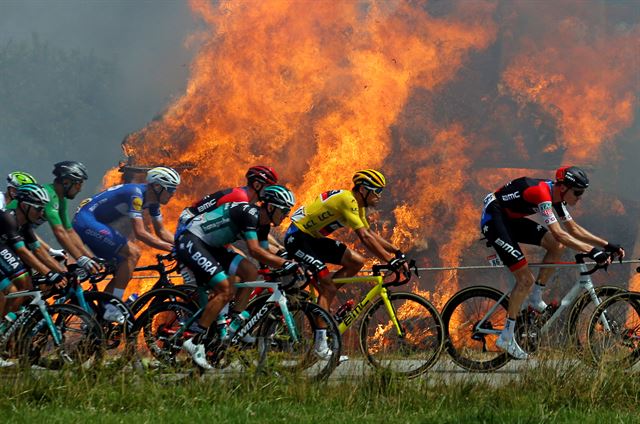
(524, 197)
(121, 201)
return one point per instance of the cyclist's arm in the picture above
(274, 245)
(161, 232)
(263, 255)
(31, 260)
(42, 254)
(390, 248)
(66, 241)
(370, 241)
(567, 239)
(146, 237)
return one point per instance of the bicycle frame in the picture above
(584, 282)
(42, 307)
(377, 290)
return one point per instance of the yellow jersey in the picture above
(332, 210)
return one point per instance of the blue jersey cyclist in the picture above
(529, 210)
(202, 247)
(112, 220)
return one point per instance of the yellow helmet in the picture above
(369, 178)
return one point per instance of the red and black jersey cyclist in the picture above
(528, 210)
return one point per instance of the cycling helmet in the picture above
(262, 174)
(70, 169)
(278, 196)
(18, 178)
(166, 177)
(572, 176)
(369, 178)
(33, 195)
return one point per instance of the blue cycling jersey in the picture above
(125, 200)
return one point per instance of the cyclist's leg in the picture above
(129, 255)
(13, 275)
(246, 271)
(352, 262)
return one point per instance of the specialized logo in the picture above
(8, 256)
(510, 196)
(507, 248)
(137, 204)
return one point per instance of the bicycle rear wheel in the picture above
(463, 316)
(281, 353)
(417, 349)
(614, 331)
(80, 342)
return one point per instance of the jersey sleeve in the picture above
(30, 237)
(245, 217)
(351, 213)
(64, 214)
(263, 236)
(52, 212)
(562, 212)
(540, 195)
(9, 229)
(136, 200)
(154, 211)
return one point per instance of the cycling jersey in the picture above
(103, 222)
(209, 203)
(519, 211)
(330, 211)
(55, 212)
(12, 237)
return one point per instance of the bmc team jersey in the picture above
(125, 200)
(228, 223)
(531, 198)
(55, 212)
(332, 210)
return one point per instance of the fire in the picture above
(405, 87)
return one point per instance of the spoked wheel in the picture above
(282, 352)
(160, 326)
(471, 331)
(79, 341)
(580, 316)
(416, 349)
(614, 331)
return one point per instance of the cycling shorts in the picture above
(312, 251)
(504, 234)
(103, 240)
(209, 265)
(11, 267)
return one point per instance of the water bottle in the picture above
(8, 320)
(222, 324)
(343, 310)
(131, 299)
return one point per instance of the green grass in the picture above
(561, 394)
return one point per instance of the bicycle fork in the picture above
(392, 312)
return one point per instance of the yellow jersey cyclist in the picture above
(306, 239)
(529, 210)
(67, 184)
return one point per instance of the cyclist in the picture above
(69, 177)
(529, 210)
(111, 221)
(202, 247)
(19, 245)
(306, 238)
(14, 180)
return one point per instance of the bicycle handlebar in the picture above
(401, 277)
(580, 257)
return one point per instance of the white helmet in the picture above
(166, 177)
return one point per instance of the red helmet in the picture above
(572, 176)
(263, 174)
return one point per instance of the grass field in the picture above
(542, 394)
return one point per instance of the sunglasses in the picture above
(171, 190)
(578, 193)
(285, 211)
(377, 191)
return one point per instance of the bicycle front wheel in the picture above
(283, 352)
(416, 349)
(473, 319)
(614, 331)
(79, 340)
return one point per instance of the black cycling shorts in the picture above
(314, 252)
(208, 264)
(504, 234)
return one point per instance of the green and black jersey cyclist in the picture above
(69, 177)
(306, 239)
(203, 248)
(529, 210)
(20, 250)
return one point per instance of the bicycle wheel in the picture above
(280, 352)
(80, 342)
(159, 326)
(462, 315)
(580, 315)
(417, 349)
(614, 331)
(113, 331)
(153, 298)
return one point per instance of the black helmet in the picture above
(70, 169)
(572, 176)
